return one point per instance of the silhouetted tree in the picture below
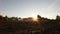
(38, 18)
(43, 25)
(1, 17)
(6, 18)
(57, 17)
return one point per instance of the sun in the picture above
(35, 19)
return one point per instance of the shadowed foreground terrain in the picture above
(14, 25)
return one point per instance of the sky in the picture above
(30, 8)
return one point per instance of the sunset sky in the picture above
(30, 8)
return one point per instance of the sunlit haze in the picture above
(30, 8)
